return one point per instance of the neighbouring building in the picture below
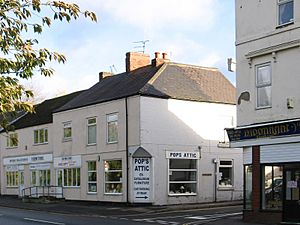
(268, 109)
(153, 134)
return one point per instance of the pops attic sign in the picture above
(142, 180)
(265, 131)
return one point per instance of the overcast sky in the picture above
(199, 32)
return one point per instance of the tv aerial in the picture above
(141, 45)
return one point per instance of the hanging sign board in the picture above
(142, 180)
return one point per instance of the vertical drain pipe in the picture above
(127, 155)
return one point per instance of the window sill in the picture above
(67, 139)
(117, 194)
(8, 148)
(92, 193)
(284, 25)
(93, 144)
(11, 187)
(229, 188)
(76, 187)
(183, 194)
(37, 144)
(112, 142)
(263, 107)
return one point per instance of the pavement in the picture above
(98, 209)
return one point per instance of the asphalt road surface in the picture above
(213, 216)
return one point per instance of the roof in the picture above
(43, 112)
(170, 80)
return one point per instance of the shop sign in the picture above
(182, 155)
(266, 131)
(142, 180)
(12, 168)
(44, 166)
(67, 161)
(28, 159)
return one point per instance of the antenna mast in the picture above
(142, 44)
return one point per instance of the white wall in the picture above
(175, 125)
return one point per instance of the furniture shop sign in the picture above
(142, 180)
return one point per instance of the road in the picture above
(216, 216)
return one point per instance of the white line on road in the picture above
(214, 216)
(43, 221)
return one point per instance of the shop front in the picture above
(271, 171)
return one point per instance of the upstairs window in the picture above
(263, 85)
(92, 130)
(285, 12)
(112, 128)
(41, 136)
(67, 131)
(12, 140)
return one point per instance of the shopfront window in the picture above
(69, 177)
(272, 187)
(248, 186)
(92, 177)
(40, 177)
(182, 176)
(113, 176)
(12, 178)
(225, 173)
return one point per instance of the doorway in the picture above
(291, 206)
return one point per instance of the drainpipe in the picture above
(126, 143)
(215, 162)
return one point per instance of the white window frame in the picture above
(280, 3)
(231, 175)
(91, 125)
(46, 136)
(111, 118)
(92, 182)
(65, 170)
(186, 182)
(106, 170)
(263, 85)
(9, 140)
(67, 125)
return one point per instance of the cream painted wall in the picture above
(174, 125)
(258, 34)
(25, 147)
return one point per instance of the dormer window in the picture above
(285, 12)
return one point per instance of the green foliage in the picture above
(19, 56)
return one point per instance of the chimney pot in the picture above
(102, 75)
(164, 55)
(157, 55)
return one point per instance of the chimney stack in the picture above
(135, 60)
(158, 61)
(102, 75)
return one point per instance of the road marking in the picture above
(164, 217)
(214, 216)
(43, 221)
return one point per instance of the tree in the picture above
(19, 56)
